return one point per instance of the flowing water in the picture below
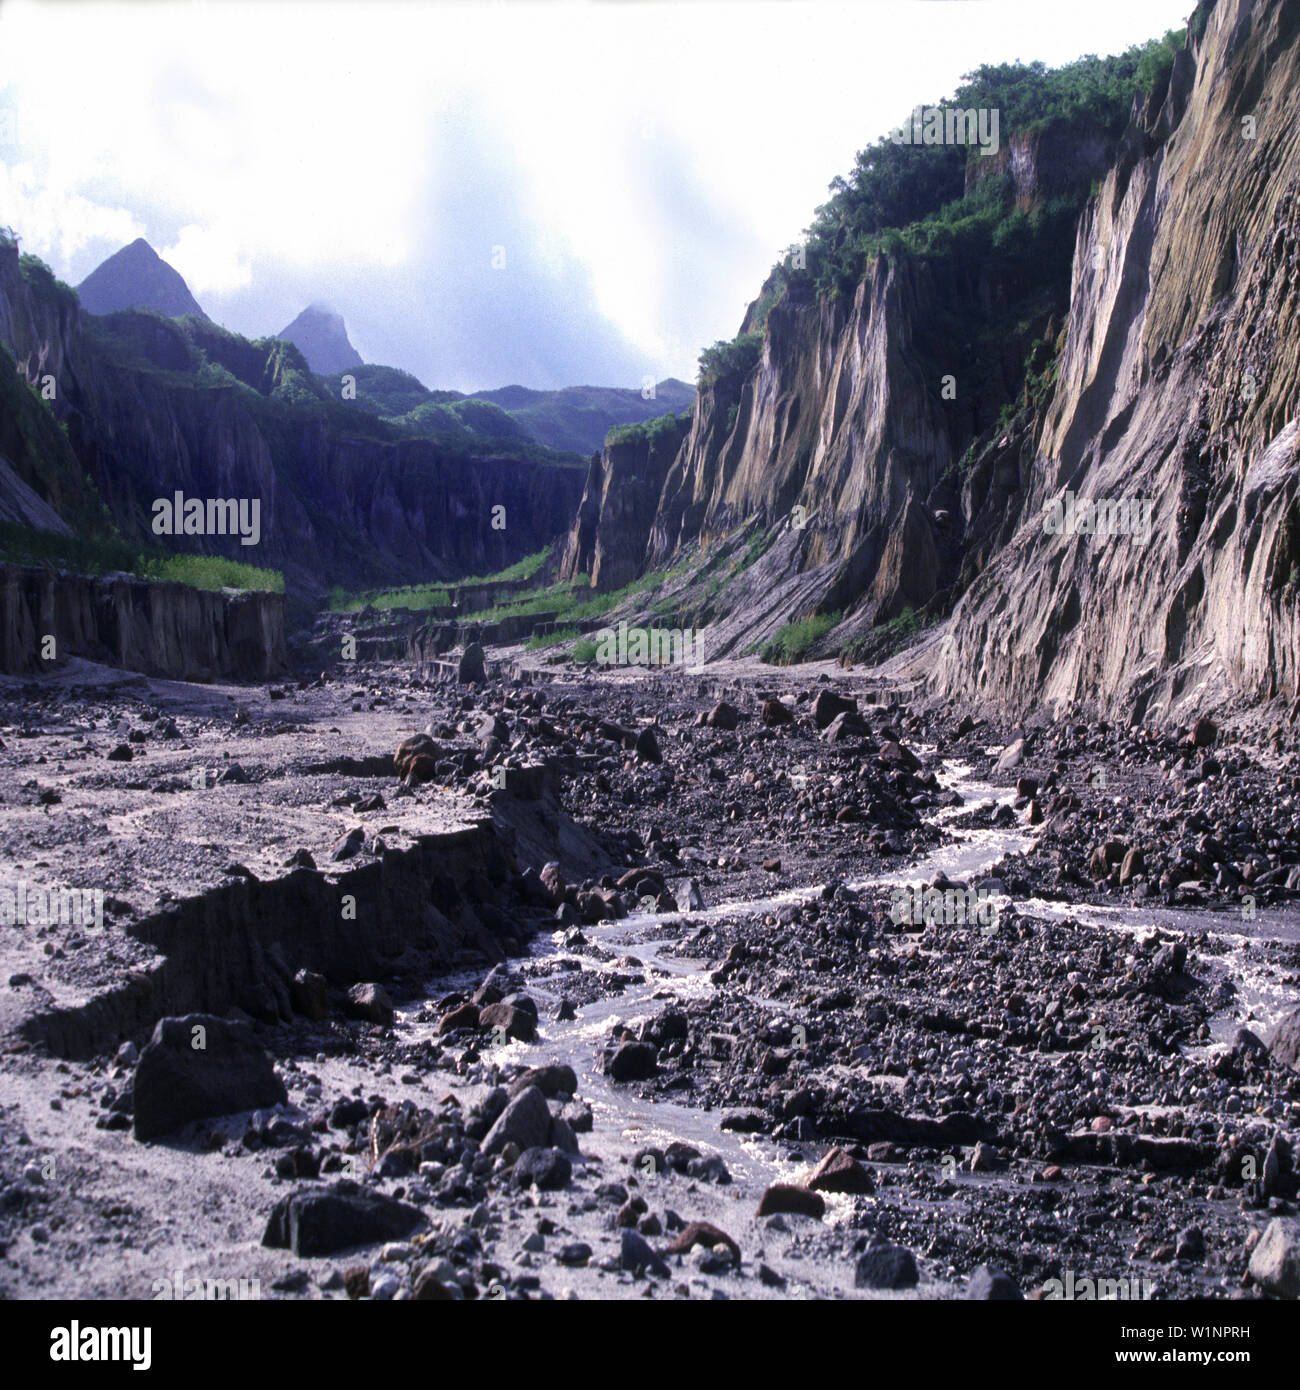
(624, 1121)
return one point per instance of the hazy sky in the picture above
(637, 168)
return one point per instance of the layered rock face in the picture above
(1042, 164)
(167, 630)
(336, 507)
(608, 537)
(1172, 417)
(849, 421)
(1178, 386)
(838, 419)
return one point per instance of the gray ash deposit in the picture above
(663, 1029)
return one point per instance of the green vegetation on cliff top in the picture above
(654, 433)
(998, 260)
(25, 545)
(918, 190)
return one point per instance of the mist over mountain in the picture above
(322, 337)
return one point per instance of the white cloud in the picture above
(59, 225)
(300, 140)
(209, 261)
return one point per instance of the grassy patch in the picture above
(885, 640)
(415, 597)
(791, 643)
(551, 639)
(571, 599)
(905, 624)
(421, 596)
(605, 603)
(583, 651)
(555, 598)
(210, 572)
(521, 569)
(24, 545)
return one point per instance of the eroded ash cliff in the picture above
(902, 444)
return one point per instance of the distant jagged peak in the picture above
(137, 277)
(321, 335)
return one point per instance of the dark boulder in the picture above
(525, 1121)
(308, 995)
(370, 1002)
(828, 705)
(991, 1284)
(320, 1221)
(886, 1266)
(552, 1080)
(637, 1257)
(839, 1171)
(786, 1197)
(472, 669)
(509, 1019)
(198, 1067)
(632, 1061)
(723, 716)
(647, 746)
(548, 1170)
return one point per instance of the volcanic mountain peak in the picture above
(137, 277)
(322, 337)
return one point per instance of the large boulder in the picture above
(320, 1221)
(723, 716)
(462, 1016)
(308, 994)
(372, 1003)
(775, 714)
(415, 756)
(1204, 732)
(1286, 1041)
(839, 1171)
(472, 669)
(1011, 756)
(893, 753)
(828, 705)
(647, 746)
(703, 1233)
(548, 1170)
(1275, 1261)
(886, 1266)
(989, 1284)
(637, 1257)
(198, 1067)
(783, 1197)
(510, 1020)
(845, 726)
(553, 1079)
(526, 1121)
(632, 1061)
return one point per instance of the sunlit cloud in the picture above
(653, 159)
